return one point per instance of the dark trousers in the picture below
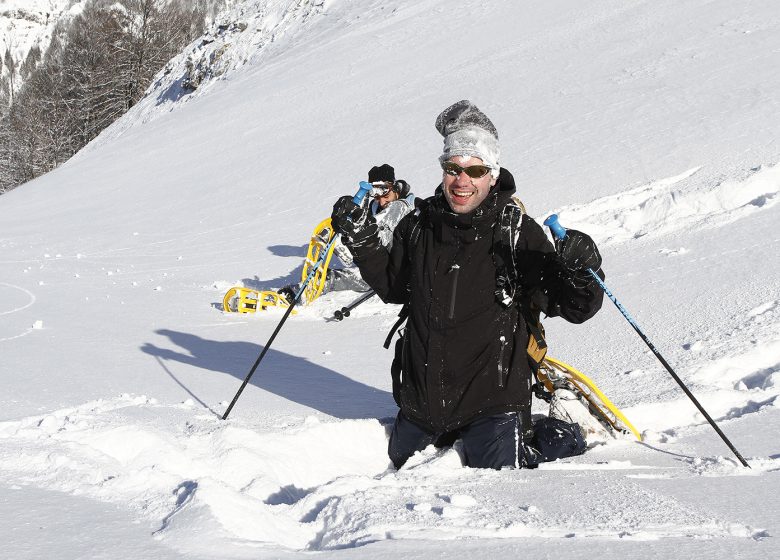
(491, 442)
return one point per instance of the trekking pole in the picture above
(357, 199)
(340, 314)
(559, 232)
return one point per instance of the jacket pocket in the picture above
(454, 271)
(501, 362)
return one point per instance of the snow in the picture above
(650, 125)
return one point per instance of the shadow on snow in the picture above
(289, 250)
(291, 377)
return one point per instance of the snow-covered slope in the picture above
(650, 125)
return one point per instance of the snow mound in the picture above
(672, 205)
(171, 465)
(316, 485)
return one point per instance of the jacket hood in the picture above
(505, 186)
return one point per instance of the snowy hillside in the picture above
(650, 125)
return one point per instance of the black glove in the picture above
(578, 252)
(355, 223)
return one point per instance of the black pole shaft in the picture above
(259, 359)
(362, 299)
(344, 311)
(669, 369)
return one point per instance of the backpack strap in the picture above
(505, 239)
(402, 315)
(414, 237)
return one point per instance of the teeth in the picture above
(462, 193)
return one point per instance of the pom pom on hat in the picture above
(468, 131)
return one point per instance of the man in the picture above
(391, 200)
(465, 371)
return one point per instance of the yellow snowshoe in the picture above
(322, 236)
(244, 300)
(554, 374)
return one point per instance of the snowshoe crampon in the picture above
(554, 374)
(244, 300)
(322, 236)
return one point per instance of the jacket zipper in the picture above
(454, 270)
(501, 339)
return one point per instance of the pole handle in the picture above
(558, 231)
(362, 191)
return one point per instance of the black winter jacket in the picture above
(463, 352)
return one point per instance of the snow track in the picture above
(10, 296)
(28, 293)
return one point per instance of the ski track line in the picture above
(29, 303)
(28, 331)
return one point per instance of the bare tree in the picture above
(93, 95)
(30, 62)
(155, 31)
(11, 65)
(4, 102)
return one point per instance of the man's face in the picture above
(465, 193)
(389, 196)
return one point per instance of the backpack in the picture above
(506, 233)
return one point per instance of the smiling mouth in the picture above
(461, 194)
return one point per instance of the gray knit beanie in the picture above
(468, 132)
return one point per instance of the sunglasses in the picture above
(473, 171)
(381, 188)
